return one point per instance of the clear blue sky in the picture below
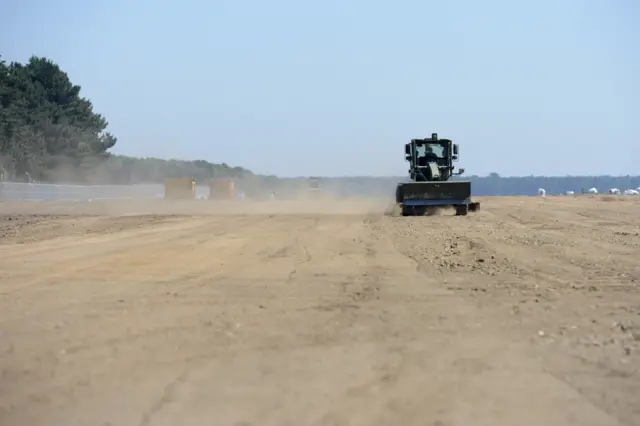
(337, 87)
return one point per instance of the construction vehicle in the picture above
(180, 188)
(222, 189)
(314, 189)
(314, 182)
(431, 172)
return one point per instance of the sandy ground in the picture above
(526, 313)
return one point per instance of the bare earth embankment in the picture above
(526, 313)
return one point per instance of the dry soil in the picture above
(320, 313)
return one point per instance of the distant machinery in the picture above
(180, 189)
(315, 187)
(222, 189)
(314, 182)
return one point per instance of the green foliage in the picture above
(48, 132)
(118, 169)
(44, 124)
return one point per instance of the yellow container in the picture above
(222, 189)
(180, 189)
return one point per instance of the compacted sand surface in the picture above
(320, 313)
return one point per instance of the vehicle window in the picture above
(437, 149)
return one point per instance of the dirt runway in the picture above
(525, 313)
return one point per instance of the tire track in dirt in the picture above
(358, 334)
(37, 228)
(230, 335)
(112, 293)
(52, 258)
(261, 238)
(53, 241)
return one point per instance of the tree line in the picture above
(492, 185)
(50, 133)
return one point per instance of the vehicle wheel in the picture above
(462, 210)
(420, 211)
(398, 194)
